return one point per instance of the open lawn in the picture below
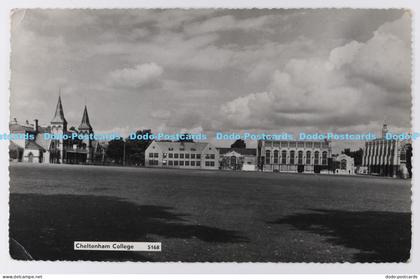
(209, 215)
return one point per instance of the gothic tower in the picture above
(86, 129)
(58, 128)
(384, 130)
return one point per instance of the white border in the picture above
(42, 267)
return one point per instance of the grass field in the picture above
(209, 215)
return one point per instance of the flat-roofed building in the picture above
(293, 156)
(186, 155)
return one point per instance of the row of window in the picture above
(292, 155)
(182, 156)
(182, 163)
(307, 144)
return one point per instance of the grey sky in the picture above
(210, 70)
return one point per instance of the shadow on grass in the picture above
(47, 226)
(380, 236)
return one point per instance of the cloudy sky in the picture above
(214, 70)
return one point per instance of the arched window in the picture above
(276, 156)
(267, 157)
(233, 161)
(324, 157)
(343, 164)
(300, 157)
(316, 158)
(292, 157)
(283, 157)
(308, 157)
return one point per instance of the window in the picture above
(300, 144)
(317, 144)
(171, 155)
(267, 157)
(193, 149)
(292, 144)
(181, 156)
(192, 156)
(156, 155)
(212, 156)
(300, 157)
(198, 156)
(171, 163)
(212, 164)
(316, 159)
(181, 163)
(170, 149)
(343, 164)
(198, 163)
(150, 155)
(324, 157)
(176, 155)
(187, 163)
(308, 144)
(175, 163)
(284, 144)
(207, 156)
(283, 157)
(292, 157)
(150, 162)
(276, 156)
(207, 163)
(308, 157)
(192, 163)
(187, 155)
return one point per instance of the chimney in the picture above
(36, 125)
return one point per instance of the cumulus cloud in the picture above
(137, 76)
(227, 22)
(342, 89)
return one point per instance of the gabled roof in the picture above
(85, 124)
(59, 113)
(33, 146)
(14, 146)
(16, 127)
(242, 151)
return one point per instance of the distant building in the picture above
(41, 149)
(186, 155)
(343, 164)
(294, 156)
(244, 159)
(387, 157)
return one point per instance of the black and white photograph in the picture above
(211, 135)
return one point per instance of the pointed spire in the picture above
(85, 125)
(59, 112)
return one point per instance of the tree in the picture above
(239, 143)
(186, 138)
(356, 155)
(115, 150)
(136, 148)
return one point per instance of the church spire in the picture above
(85, 125)
(59, 113)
